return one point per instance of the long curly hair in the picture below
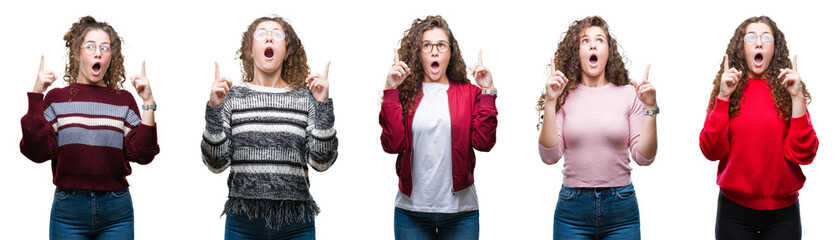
(567, 61)
(115, 74)
(780, 60)
(295, 66)
(409, 52)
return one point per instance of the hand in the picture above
(646, 91)
(221, 86)
(44, 78)
(555, 84)
(398, 72)
(141, 84)
(728, 81)
(791, 80)
(319, 85)
(481, 74)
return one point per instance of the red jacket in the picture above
(759, 151)
(473, 117)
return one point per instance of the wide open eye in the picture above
(260, 34)
(750, 38)
(277, 34)
(443, 46)
(105, 48)
(89, 48)
(766, 38)
(427, 46)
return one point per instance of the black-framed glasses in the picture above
(442, 46)
(90, 48)
(751, 38)
(262, 33)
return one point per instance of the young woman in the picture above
(433, 118)
(759, 128)
(90, 130)
(592, 115)
(267, 131)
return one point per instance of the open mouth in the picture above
(759, 59)
(96, 68)
(592, 59)
(435, 67)
(269, 53)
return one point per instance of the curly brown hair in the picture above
(409, 52)
(295, 67)
(780, 60)
(115, 74)
(567, 61)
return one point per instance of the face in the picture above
(759, 47)
(268, 46)
(94, 57)
(435, 54)
(594, 51)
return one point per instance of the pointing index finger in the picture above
(646, 74)
(395, 56)
(217, 72)
(41, 67)
(326, 71)
(144, 68)
(795, 62)
(725, 63)
(480, 57)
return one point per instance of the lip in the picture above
(96, 68)
(759, 63)
(596, 60)
(434, 66)
(268, 53)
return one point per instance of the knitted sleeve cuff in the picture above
(214, 117)
(323, 114)
(391, 96)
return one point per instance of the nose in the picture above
(434, 50)
(759, 43)
(592, 45)
(97, 53)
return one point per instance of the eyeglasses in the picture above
(262, 33)
(90, 48)
(751, 38)
(442, 46)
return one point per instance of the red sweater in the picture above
(759, 151)
(90, 133)
(473, 117)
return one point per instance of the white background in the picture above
(176, 197)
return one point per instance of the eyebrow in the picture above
(441, 41)
(94, 43)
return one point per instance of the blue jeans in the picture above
(735, 221)
(240, 227)
(85, 214)
(597, 213)
(410, 225)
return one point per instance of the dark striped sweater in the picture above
(268, 137)
(90, 133)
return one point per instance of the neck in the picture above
(751, 74)
(597, 81)
(83, 80)
(264, 79)
(442, 80)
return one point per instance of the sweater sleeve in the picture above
(636, 125)
(321, 136)
(484, 121)
(390, 118)
(39, 142)
(552, 155)
(713, 139)
(801, 143)
(215, 145)
(140, 144)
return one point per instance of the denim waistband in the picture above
(596, 189)
(72, 191)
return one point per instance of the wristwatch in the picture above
(650, 112)
(152, 106)
(489, 91)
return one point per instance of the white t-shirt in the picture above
(432, 160)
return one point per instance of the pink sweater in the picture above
(596, 126)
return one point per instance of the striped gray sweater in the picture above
(268, 136)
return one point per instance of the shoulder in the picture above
(237, 91)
